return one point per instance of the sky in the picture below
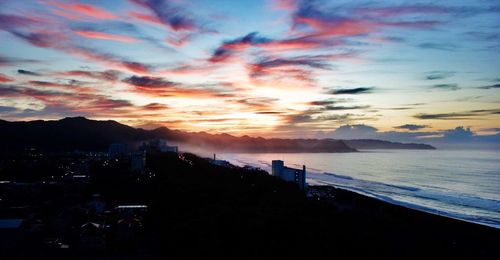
(399, 70)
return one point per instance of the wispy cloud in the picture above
(58, 40)
(411, 127)
(27, 72)
(155, 107)
(438, 46)
(436, 75)
(351, 91)
(70, 102)
(230, 48)
(157, 86)
(322, 102)
(494, 86)
(109, 59)
(344, 22)
(449, 86)
(10, 61)
(77, 10)
(459, 115)
(167, 13)
(305, 118)
(298, 68)
(106, 36)
(149, 82)
(71, 85)
(448, 116)
(338, 108)
(108, 75)
(4, 78)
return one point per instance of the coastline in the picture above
(408, 205)
(411, 229)
(409, 185)
(330, 194)
(395, 229)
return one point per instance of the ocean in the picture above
(458, 184)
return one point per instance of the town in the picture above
(87, 203)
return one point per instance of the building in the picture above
(138, 161)
(92, 236)
(222, 163)
(131, 210)
(10, 233)
(159, 146)
(297, 176)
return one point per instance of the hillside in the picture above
(379, 144)
(84, 134)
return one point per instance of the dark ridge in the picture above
(80, 133)
(379, 144)
(84, 134)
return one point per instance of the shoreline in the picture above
(392, 203)
(405, 210)
(395, 227)
(485, 216)
(408, 205)
(367, 221)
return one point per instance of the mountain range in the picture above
(79, 133)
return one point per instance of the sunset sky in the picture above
(257, 67)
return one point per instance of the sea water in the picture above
(457, 184)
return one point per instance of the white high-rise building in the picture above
(297, 176)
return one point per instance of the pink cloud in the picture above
(106, 36)
(4, 78)
(336, 27)
(146, 18)
(69, 16)
(85, 9)
(285, 4)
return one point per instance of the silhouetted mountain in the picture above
(379, 144)
(67, 134)
(84, 134)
